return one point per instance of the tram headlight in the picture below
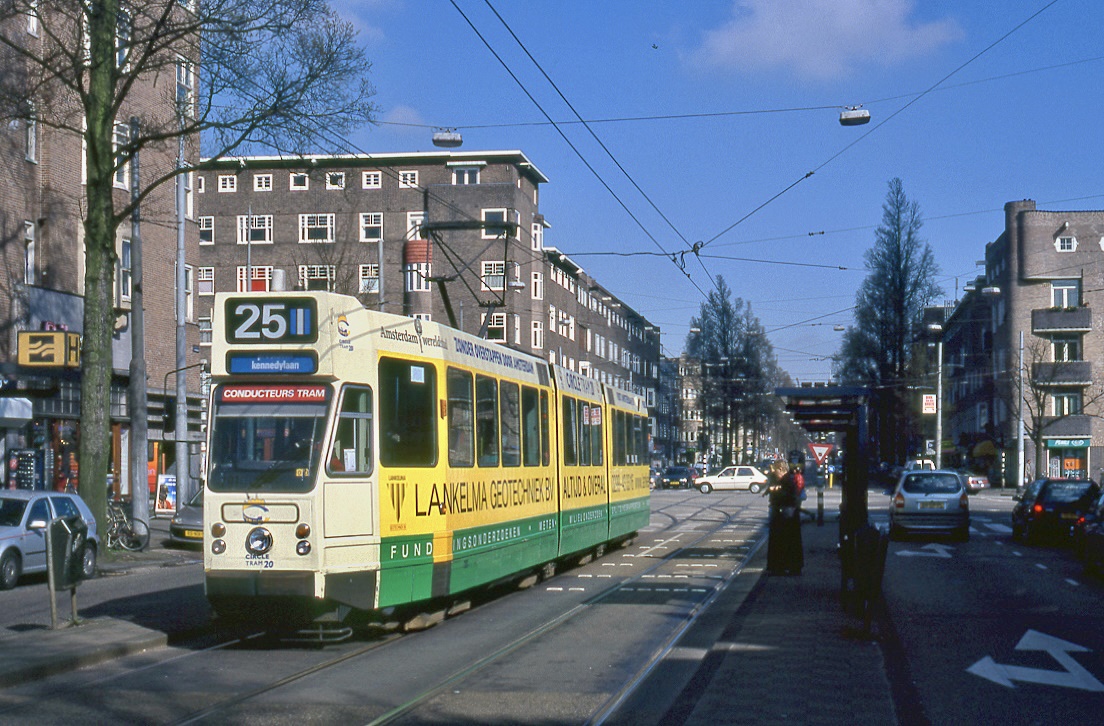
(218, 529)
(302, 547)
(218, 546)
(302, 531)
(258, 541)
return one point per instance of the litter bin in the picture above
(67, 537)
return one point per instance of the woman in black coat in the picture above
(784, 551)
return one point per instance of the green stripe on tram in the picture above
(629, 516)
(583, 528)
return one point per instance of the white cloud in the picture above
(404, 117)
(821, 39)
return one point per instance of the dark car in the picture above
(1090, 538)
(677, 477)
(1051, 508)
(186, 526)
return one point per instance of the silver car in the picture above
(24, 515)
(930, 501)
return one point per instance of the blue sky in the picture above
(968, 119)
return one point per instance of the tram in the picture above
(362, 462)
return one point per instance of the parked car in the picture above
(975, 482)
(1089, 538)
(676, 477)
(930, 501)
(733, 477)
(1050, 508)
(186, 526)
(24, 515)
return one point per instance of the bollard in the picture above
(820, 506)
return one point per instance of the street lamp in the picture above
(938, 329)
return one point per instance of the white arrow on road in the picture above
(1074, 675)
(929, 550)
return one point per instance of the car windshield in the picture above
(1062, 492)
(11, 512)
(677, 471)
(931, 484)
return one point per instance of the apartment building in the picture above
(450, 236)
(1032, 312)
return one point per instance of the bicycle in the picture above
(122, 531)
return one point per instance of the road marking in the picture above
(1075, 583)
(1001, 528)
(1041, 566)
(929, 550)
(1017, 553)
(1074, 675)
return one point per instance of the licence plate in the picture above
(931, 505)
(1069, 515)
(193, 534)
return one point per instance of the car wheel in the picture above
(704, 488)
(10, 569)
(755, 487)
(88, 566)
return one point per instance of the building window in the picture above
(316, 228)
(494, 223)
(205, 331)
(256, 229)
(371, 226)
(422, 316)
(119, 140)
(408, 180)
(1065, 293)
(189, 292)
(536, 335)
(185, 87)
(29, 253)
(31, 137)
(201, 184)
(517, 328)
(1066, 244)
(493, 276)
(205, 280)
(32, 18)
(371, 180)
(227, 183)
(537, 236)
(414, 222)
(259, 276)
(1067, 348)
(369, 279)
(126, 267)
(538, 286)
(189, 199)
(335, 180)
(417, 276)
(464, 175)
(206, 230)
(1067, 403)
(298, 182)
(496, 328)
(316, 277)
(262, 182)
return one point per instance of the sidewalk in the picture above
(774, 649)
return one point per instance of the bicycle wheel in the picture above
(136, 537)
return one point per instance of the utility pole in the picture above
(939, 403)
(137, 392)
(183, 470)
(1020, 463)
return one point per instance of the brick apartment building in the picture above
(41, 227)
(450, 236)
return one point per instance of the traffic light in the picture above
(168, 418)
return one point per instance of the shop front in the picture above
(1068, 458)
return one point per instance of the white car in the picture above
(733, 477)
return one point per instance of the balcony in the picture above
(1075, 426)
(1061, 320)
(1064, 373)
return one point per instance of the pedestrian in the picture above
(785, 555)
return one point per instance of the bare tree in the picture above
(280, 74)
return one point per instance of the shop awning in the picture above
(15, 411)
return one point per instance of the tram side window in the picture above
(530, 427)
(352, 444)
(596, 435)
(486, 420)
(641, 450)
(570, 432)
(460, 420)
(511, 424)
(408, 408)
(584, 433)
(618, 438)
(546, 449)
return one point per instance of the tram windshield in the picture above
(258, 446)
